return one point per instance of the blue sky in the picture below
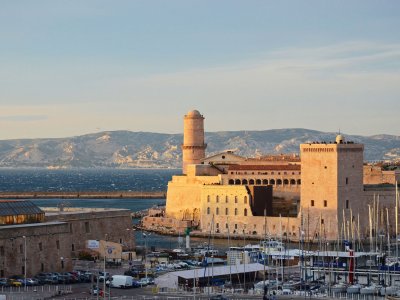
(74, 67)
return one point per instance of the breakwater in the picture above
(84, 195)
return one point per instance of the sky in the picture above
(74, 67)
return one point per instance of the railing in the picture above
(35, 292)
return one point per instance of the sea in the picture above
(105, 180)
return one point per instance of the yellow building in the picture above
(320, 194)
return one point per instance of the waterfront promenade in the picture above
(84, 195)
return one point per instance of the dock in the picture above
(85, 195)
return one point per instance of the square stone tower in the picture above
(331, 188)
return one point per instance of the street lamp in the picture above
(104, 267)
(145, 252)
(24, 237)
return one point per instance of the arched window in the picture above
(285, 181)
(217, 211)
(292, 181)
(208, 198)
(244, 181)
(231, 181)
(245, 199)
(272, 181)
(258, 181)
(208, 210)
(251, 181)
(265, 181)
(278, 181)
(235, 199)
(217, 199)
(226, 211)
(299, 181)
(237, 181)
(245, 212)
(236, 211)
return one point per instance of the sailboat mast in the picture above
(397, 220)
(229, 247)
(265, 240)
(370, 226)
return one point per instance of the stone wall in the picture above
(52, 245)
(89, 224)
(47, 248)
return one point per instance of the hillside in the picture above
(125, 149)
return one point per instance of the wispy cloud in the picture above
(23, 118)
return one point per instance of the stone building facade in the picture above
(324, 193)
(52, 245)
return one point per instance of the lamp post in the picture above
(24, 237)
(145, 252)
(104, 267)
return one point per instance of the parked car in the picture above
(136, 284)
(51, 279)
(120, 281)
(15, 283)
(4, 282)
(146, 281)
(104, 276)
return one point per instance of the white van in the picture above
(121, 281)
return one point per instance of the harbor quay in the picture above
(84, 195)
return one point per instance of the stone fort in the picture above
(326, 192)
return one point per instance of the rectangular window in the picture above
(347, 204)
(312, 202)
(2, 273)
(40, 247)
(87, 228)
(42, 267)
(21, 249)
(58, 245)
(226, 211)
(235, 199)
(217, 199)
(235, 226)
(226, 199)
(325, 203)
(70, 228)
(322, 221)
(73, 247)
(347, 180)
(2, 252)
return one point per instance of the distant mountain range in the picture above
(125, 149)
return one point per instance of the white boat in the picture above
(369, 290)
(339, 288)
(353, 289)
(205, 251)
(272, 245)
(389, 290)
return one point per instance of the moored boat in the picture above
(369, 290)
(353, 289)
(339, 288)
